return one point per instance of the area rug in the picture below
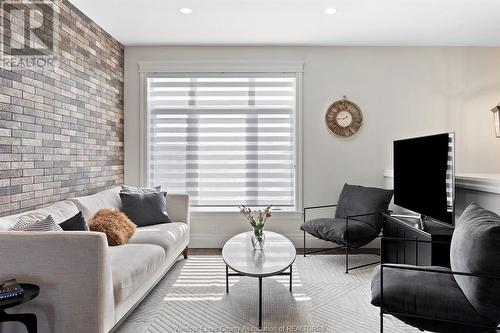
(192, 298)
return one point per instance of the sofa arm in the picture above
(73, 271)
(178, 207)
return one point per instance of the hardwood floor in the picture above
(215, 252)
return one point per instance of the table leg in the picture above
(260, 302)
(28, 319)
(291, 269)
(227, 279)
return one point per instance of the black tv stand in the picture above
(415, 253)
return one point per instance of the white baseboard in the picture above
(217, 241)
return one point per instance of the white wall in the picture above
(402, 91)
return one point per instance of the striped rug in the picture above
(192, 298)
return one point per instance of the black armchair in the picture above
(357, 220)
(464, 298)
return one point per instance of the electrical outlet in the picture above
(215, 228)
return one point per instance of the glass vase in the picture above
(258, 239)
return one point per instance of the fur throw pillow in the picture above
(116, 225)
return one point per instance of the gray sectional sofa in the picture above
(85, 285)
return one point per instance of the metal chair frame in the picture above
(428, 270)
(346, 245)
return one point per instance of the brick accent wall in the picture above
(61, 129)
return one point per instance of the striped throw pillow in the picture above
(46, 224)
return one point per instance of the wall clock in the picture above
(343, 118)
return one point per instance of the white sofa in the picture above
(85, 285)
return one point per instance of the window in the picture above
(225, 139)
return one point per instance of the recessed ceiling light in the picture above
(330, 11)
(186, 10)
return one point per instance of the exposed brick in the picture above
(32, 203)
(44, 193)
(22, 196)
(5, 209)
(32, 187)
(4, 98)
(23, 165)
(21, 181)
(5, 166)
(4, 200)
(32, 172)
(23, 149)
(5, 132)
(61, 131)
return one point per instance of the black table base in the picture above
(28, 319)
(260, 286)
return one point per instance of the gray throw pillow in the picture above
(126, 188)
(132, 189)
(475, 248)
(145, 208)
(356, 199)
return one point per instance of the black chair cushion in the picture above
(427, 294)
(355, 199)
(475, 248)
(334, 230)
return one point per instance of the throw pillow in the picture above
(116, 225)
(355, 199)
(475, 248)
(46, 224)
(145, 208)
(126, 188)
(132, 189)
(75, 223)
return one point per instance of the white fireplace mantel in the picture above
(483, 189)
(479, 182)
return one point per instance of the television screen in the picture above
(424, 178)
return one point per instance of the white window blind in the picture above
(225, 139)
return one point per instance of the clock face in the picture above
(344, 118)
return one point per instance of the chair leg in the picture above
(304, 243)
(346, 258)
(185, 253)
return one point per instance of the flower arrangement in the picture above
(257, 219)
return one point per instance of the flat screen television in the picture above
(424, 176)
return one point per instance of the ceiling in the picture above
(298, 22)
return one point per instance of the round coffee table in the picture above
(277, 256)
(28, 319)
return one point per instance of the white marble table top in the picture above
(278, 254)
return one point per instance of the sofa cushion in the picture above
(90, 204)
(355, 199)
(75, 223)
(132, 265)
(146, 208)
(60, 212)
(434, 295)
(475, 248)
(172, 237)
(334, 230)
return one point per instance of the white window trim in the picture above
(216, 66)
(151, 67)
